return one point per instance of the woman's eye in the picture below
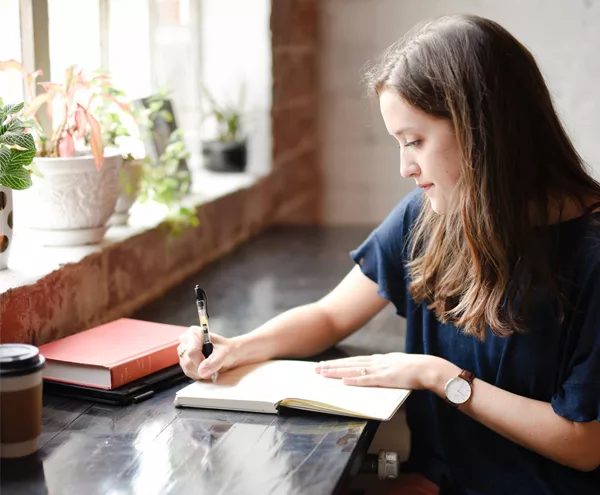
(413, 143)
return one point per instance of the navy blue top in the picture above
(554, 363)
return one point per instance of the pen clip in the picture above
(201, 296)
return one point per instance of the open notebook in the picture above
(264, 387)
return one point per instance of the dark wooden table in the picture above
(154, 448)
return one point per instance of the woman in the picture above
(494, 261)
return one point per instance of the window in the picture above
(149, 45)
(129, 50)
(11, 83)
(176, 42)
(74, 32)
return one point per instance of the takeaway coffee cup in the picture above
(20, 399)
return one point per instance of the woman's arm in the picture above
(310, 329)
(530, 423)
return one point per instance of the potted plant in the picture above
(154, 169)
(17, 149)
(227, 152)
(119, 125)
(73, 201)
(165, 178)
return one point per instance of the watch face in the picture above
(458, 390)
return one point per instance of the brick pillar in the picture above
(294, 29)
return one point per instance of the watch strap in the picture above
(467, 375)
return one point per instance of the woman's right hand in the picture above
(192, 361)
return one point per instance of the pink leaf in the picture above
(100, 79)
(28, 77)
(66, 145)
(123, 106)
(32, 76)
(51, 87)
(12, 64)
(50, 106)
(80, 122)
(37, 102)
(95, 139)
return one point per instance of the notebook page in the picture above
(243, 384)
(374, 402)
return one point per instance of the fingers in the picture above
(212, 364)
(191, 359)
(359, 371)
(195, 338)
(352, 362)
(189, 367)
(217, 339)
(190, 352)
(363, 381)
(348, 372)
(189, 338)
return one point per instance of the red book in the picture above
(111, 355)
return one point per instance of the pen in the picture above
(202, 305)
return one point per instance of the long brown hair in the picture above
(489, 249)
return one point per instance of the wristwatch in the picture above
(458, 389)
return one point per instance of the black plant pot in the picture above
(221, 156)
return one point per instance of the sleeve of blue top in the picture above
(578, 396)
(382, 255)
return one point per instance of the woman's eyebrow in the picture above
(403, 130)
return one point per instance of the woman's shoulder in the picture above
(589, 249)
(403, 215)
(582, 238)
(579, 252)
(393, 233)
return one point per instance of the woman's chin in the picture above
(437, 206)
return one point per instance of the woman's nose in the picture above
(408, 167)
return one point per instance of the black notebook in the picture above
(131, 393)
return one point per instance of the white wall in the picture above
(360, 160)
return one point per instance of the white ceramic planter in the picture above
(6, 223)
(71, 204)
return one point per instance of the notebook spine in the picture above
(141, 366)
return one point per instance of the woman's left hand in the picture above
(393, 370)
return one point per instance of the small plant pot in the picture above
(130, 176)
(6, 221)
(221, 156)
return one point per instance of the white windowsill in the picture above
(29, 262)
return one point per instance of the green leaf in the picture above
(18, 139)
(33, 124)
(13, 108)
(22, 157)
(15, 177)
(4, 158)
(15, 125)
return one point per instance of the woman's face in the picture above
(428, 148)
